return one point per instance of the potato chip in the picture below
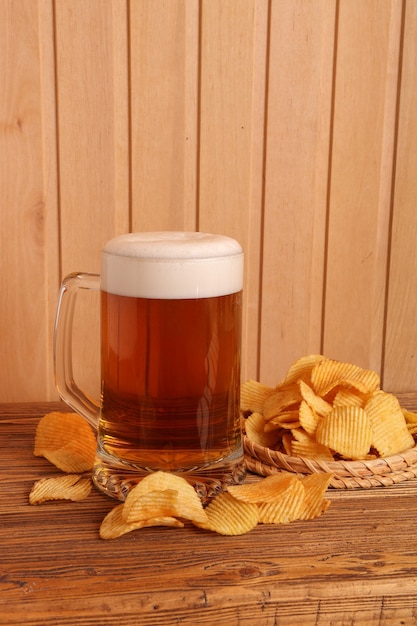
(315, 486)
(330, 373)
(169, 503)
(180, 499)
(286, 440)
(159, 480)
(67, 441)
(254, 428)
(286, 508)
(410, 417)
(300, 435)
(314, 401)
(281, 401)
(228, 516)
(270, 488)
(69, 460)
(253, 396)
(301, 370)
(311, 450)
(114, 525)
(308, 418)
(349, 397)
(390, 434)
(69, 487)
(158, 503)
(347, 431)
(286, 419)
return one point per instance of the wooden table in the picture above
(356, 565)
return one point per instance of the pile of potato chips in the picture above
(68, 442)
(327, 410)
(165, 499)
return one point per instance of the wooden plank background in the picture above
(290, 125)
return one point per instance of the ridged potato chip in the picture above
(285, 509)
(67, 441)
(159, 481)
(329, 373)
(114, 524)
(286, 420)
(301, 370)
(410, 417)
(253, 396)
(347, 431)
(158, 503)
(266, 490)
(311, 450)
(255, 429)
(349, 397)
(299, 434)
(69, 487)
(286, 440)
(390, 434)
(315, 486)
(308, 418)
(175, 496)
(160, 499)
(314, 401)
(280, 401)
(228, 516)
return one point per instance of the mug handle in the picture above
(67, 388)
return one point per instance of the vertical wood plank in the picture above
(252, 240)
(121, 123)
(297, 149)
(93, 142)
(226, 115)
(50, 182)
(232, 103)
(164, 89)
(24, 286)
(400, 366)
(92, 66)
(361, 167)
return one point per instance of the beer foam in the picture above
(172, 265)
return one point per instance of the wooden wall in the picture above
(290, 125)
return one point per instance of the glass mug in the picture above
(171, 306)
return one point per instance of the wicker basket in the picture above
(379, 472)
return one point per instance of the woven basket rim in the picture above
(356, 469)
(342, 482)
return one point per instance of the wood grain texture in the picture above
(164, 112)
(361, 179)
(356, 564)
(288, 125)
(297, 154)
(401, 328)
(23, 210)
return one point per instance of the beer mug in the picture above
(171, 307)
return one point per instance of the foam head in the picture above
(172, 265)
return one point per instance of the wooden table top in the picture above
(356, 564)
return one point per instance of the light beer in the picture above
(171, 332)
